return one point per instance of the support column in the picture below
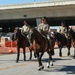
(38, 21)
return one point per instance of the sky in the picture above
(7, 2)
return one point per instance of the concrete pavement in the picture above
(62, 65)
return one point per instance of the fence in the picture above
(7, 47)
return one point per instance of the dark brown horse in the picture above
(40, 45)
(72, 36)
(62, 41)
(22, 42)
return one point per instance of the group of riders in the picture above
(44, 28)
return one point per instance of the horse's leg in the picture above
(69, 46)
(50, 59)
(68, 51)
(39, 60)
(35, 55)
(30, 54)
(60, 52)
(74, 52)
(18, 54)
(24, 54)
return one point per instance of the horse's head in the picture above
(35, 35)
(54, 35)
(58, 36)
(16, 33)
(71, 33)
(32, 33)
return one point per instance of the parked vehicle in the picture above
(8, 35)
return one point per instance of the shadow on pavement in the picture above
(68, 69)
(60, 68)
(54, 59)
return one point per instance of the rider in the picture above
(63, 29)
(44, 26)
(25, 28)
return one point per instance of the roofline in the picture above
(36, 4)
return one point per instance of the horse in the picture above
(22, 42)
(40, 45)
(62, 41)
(72, 36)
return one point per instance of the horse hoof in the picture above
(52, 65)
(29, 58)
(24, 59)
(16, 61)
(74, 57)
(35, 56)
(41, 67)
(47, 66)
(60, 55)
(68, 54)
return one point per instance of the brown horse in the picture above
(72, 36)
(62, 41)
(40, 45)
(22, 42)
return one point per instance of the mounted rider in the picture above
(63, 29)
(43, 27)
(25, 29)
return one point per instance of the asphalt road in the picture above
(62, 65)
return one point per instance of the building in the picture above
(55, 11)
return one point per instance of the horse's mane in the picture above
(60, 34)
(37, 32)
(37, 35)
(20, 33)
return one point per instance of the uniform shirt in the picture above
(63, 30)
(43, 27)
(25, 29)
